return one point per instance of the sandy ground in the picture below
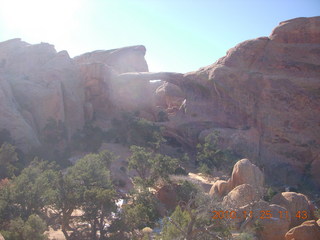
(55, 235)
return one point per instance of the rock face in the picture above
(122, 60)
(295, 202)
(38, 84)
(307, 230)
(264, 98)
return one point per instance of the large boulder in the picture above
(1, 237)
(244, 172)
(240, 196)
(297, 204)
(266, 221)
(307, 230)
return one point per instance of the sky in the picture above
(180, 35)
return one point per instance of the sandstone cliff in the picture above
(264, 98)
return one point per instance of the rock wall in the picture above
(264, 98)
(38, 84)
(44, 84)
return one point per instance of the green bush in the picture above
(89, 139)
(150, 167)
(269, 194)
(246, 236)
(132, 130)
(8, 160)
(211, 155)
(32, 229)
(204, 169)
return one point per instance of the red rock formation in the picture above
(122, 60)
(38, 84)
(43, 84)
(264, 97)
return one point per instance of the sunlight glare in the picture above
(40, 20)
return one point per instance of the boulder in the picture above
(220, 188)
(244, 172)
(1, 237)
(266, 221)
(307, 230)
(297, 204)
(240, 196)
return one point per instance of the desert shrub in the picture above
(246, 236)
(133, 130)
(141, 212)
(150, 167)
(8, 160)
(204, 169)
(31, 229)
(88, 139)
(269, 194)
(5, 136)
(180, 171)
(193, 221)
(162, 116)
(211, 155)
(119, 183)
(186, 191)
(54, 132)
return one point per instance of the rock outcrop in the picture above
(43, 85)
(264, 98)
(37, 84)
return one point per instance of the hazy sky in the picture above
(180, 35)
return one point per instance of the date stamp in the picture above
(263, 214)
